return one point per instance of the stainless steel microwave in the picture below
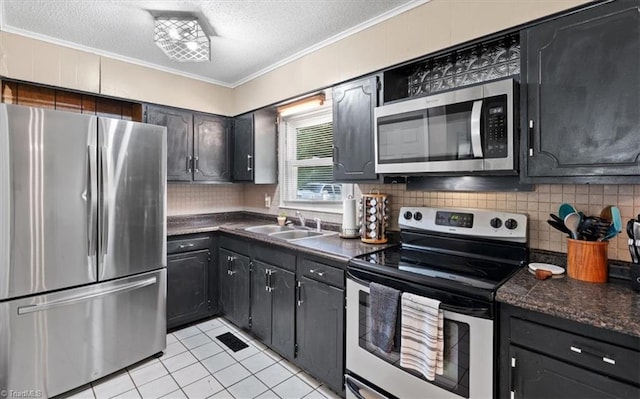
(465, 130)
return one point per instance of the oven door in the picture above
(468, 354)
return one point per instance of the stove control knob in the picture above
(511, 224)
(496, 223)
(408, 215)
(418, 216)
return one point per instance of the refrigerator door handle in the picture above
(83, 298)
(105, 200)
(92, 202)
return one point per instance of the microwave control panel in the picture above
(495, 127)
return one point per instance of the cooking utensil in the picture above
(593, 228)
(557, 219)
(559, 226)
(572, 222)
(565, 209)
(616, 224)
(606, 213)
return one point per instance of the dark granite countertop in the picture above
(330, 246)
(612, 306)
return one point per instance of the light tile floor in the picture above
(196, 365)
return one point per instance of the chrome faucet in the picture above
(318, 224)
(302, 221)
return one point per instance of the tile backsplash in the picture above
(537, 204)
(188, 199)
(590, 199)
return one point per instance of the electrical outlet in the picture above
(267, 201)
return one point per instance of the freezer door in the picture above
(53, 343)
(132, 163)
(48, 196)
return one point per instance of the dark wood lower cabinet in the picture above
(542, 377)
(234, 287)
(187, 287)
(320, 331)
(273, 307)
(543, 356)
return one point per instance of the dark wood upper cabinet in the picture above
(197, 144)
(255, 147)
(582, 96)
(353, 130)
(211, 148)
(243, 148)
(179, 126)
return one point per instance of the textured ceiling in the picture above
(248, 37)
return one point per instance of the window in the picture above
(307, 162)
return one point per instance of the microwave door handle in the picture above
(476, 141)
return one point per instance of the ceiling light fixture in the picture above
(303, 104)
(182, 39)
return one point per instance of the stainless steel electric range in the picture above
(457, 256)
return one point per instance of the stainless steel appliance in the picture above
(459, 257)
(82, 247)
(465, 130)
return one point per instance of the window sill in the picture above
(311, 206)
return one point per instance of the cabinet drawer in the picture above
(188, 243)
(321, 272)
(604, 358)
(275, 256)
(234, 245)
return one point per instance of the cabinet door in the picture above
(320, 331)
(187, 287)
(260, 302)
(179, 126)
(234, 287)
(353, 133)
(282, 283)
(243, 148)
(583, 94)
(538, 376)
(211, 148)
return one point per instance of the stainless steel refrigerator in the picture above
(82, 247)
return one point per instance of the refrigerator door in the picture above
(132, 163)
(55, 342)
(48, 195)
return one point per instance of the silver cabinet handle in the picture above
(608, 360)
(300, 301)
(249, 164)
(83, 298)
(312, 271)
(183, 246)
(605, 359)
(531, 133)
(230, 261)
(476, 141)
(195, 164)
(189, 164)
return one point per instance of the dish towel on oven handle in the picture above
(422, 335)
(384, 312)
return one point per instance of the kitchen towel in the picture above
(422, 335)
(384, 312)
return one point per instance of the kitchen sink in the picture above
(268, 229)
(296, 234)
(287, 233)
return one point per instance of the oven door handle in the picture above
(451, 308)
(354, 389)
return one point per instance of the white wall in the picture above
(428, 28)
